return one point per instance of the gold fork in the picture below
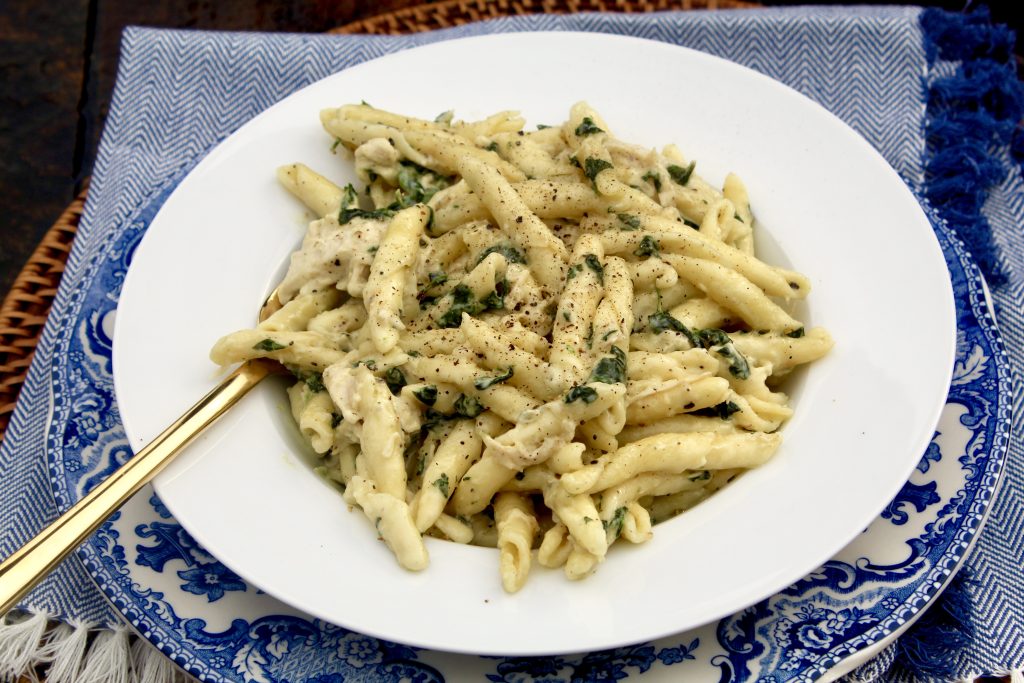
(34, 560)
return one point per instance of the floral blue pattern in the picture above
(852, 601)
(205, 575)
(918, 495)
(812, 630)
(849, 603)
(211, 581)
(606, 665)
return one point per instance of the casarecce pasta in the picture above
(544, 340)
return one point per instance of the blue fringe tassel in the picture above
(970, 118)
(928, 649)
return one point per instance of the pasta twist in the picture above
(547, 339)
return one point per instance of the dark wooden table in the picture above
(57, 67)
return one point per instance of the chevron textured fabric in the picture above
(180, 93)
(983, 198)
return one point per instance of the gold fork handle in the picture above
(29, 564)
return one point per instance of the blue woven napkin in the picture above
(935, 93)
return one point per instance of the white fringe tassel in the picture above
(20, 636)
(64, 651)
(151, 666)
(107, 660)
(79, 652)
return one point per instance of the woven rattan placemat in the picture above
(26, 306)
(448, 13)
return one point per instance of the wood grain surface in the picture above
(57, 66)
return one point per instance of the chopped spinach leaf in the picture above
(738, 366)
(395, 380)
(370, 363)
(463, 301)
(648, 247)
(434, 418)
(493, 147)
(418, 184)
(511, 254)
(445, 117)
(442, 484)
(349, 196)
(713, 337)
(680, 174)
(654, 178)
(482, 383)
(614, 525)
(583, 392)
(629, 221)
(573, 271)
(796, 334)
(690, 224)
(267, 344)
(315, 382)
(427, 395)
(436, 278)
(660, 321)
(720, 342)
(347, 214)
(496, 300)
(723, 410)
(610, 369)
(587, 127)
(467, 406)
(493, 301)
(595, 265)
(592, 167)
(336, 420)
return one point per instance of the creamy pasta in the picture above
(541, 341)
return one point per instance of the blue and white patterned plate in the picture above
(218, 628)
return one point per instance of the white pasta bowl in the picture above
(827, 205)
